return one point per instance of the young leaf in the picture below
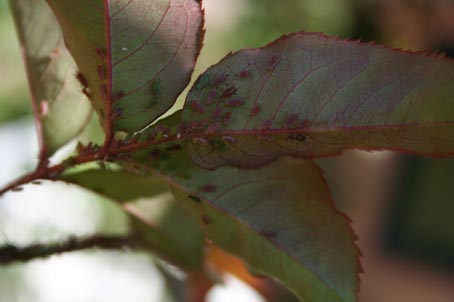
(136, 55)
(312, 95)
(156, 216)
(279, 219)
(60, 108)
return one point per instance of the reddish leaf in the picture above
(279, 219)
(136, 55)
(312, 95)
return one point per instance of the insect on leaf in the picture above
(312, 95)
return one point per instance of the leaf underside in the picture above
(136, 56)
(279, 219)
(60, 109)
(311, 95)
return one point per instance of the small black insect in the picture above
(195, 198)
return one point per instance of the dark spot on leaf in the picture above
(17, 189)
(205, 219)
(194, 198)
(272, 62)
(208, 188)
(101, 53)
(235, 102)
(36, 182)
(82, 80)
(197, 107)
(254, 110)
(211, 97)
(117, 113)
(213, 128)
(266, 124)
(229, 92)
(244, 73)
(227, 117)
(219, 80)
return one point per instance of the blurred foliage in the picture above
(14, 97)
(265, 20)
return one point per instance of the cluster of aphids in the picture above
(220, 92)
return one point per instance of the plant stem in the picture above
(10, 253)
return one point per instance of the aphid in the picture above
(269, 234)
(205, 219)
(208, 188)
(235, 102)
(200, 141)
(229, 139)
(156, 88)
(36, 182)
(101, 72)
(254, 110)
(211, 97)
(202, 82)
(101, 53)
(194, 198)
(118, 95)
(197, 107)
(213, 128)
(272, 62)
(227, 117)
(297, 137)
(17, 189)
(229, 92)
(116, 113)
(219, 80)
(84, 83)
(244, 73)
(292, 121)
(82, 80)
(266, 124)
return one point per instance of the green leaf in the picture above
(118, 185)
(60, 109)
(135, 55)
(154, 214)
(279, 219)
(312, 95)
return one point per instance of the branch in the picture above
(10, 253)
